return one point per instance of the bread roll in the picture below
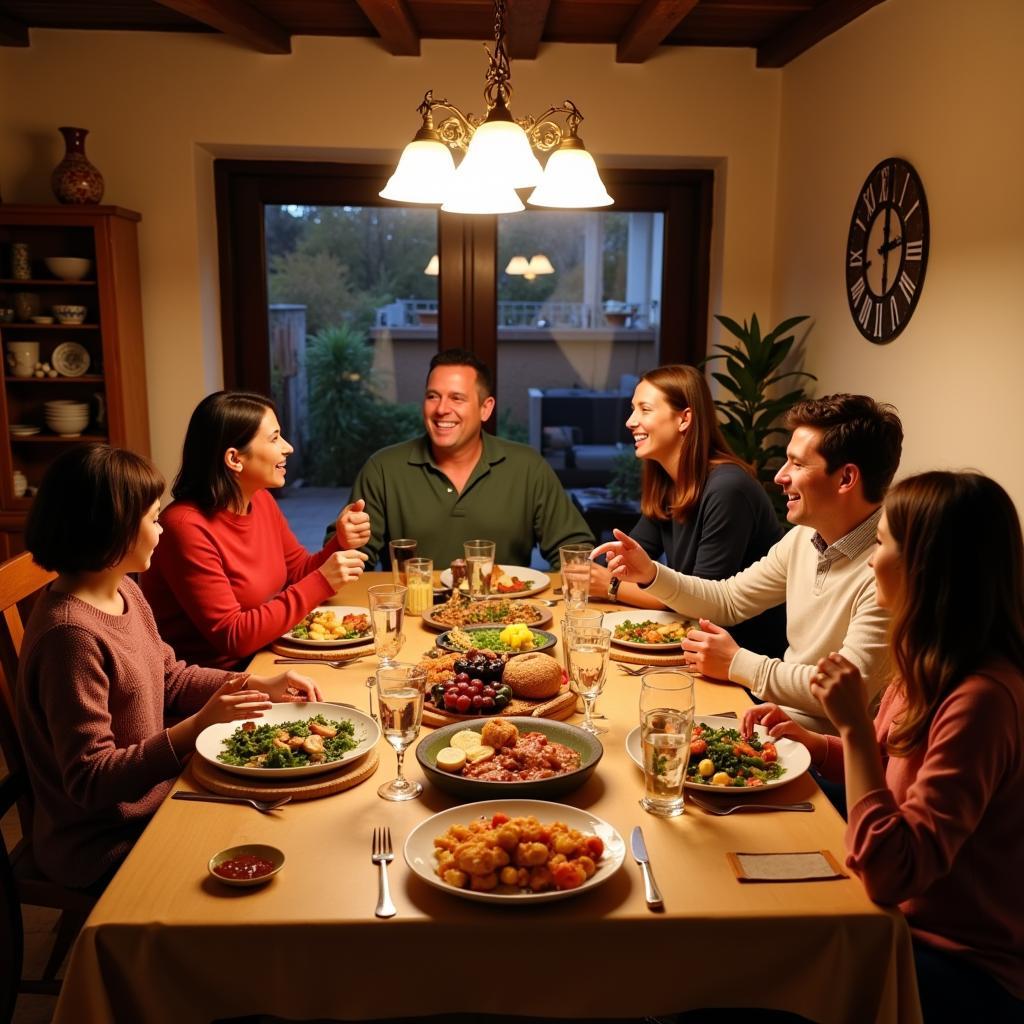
(534, 675)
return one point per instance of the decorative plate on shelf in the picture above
(23, 429)
(70, 359)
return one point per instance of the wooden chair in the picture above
(21, 881)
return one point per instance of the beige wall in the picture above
(939, 83)
(160, 106)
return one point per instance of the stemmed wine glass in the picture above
(387, 614)
(574, 619)
(587, 654)
(400, 690)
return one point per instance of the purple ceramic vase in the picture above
(75, 180)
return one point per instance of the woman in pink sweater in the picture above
(94, 678)
(230, 576)
(935, 785)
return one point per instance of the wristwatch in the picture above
(613, 589)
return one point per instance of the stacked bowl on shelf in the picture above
(66, 417)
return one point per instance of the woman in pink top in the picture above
(95, 681)
(935, 785)
(230, 576)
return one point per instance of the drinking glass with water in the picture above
(387, 615)
(588, 648)
(400, 691)
(666, 724)
(574, 562)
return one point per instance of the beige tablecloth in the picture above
(168, 945)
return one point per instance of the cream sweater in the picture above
(830, 606)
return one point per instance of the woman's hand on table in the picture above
(780, 726)
(287, 687)
(343, 567)
(626, 559)
(353, 525)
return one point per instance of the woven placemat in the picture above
(632, 657)
(308, 787)
(558, 708)
(321, 653)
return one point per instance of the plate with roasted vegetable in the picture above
(290, 741)
(722, 759)
(506, 581)
(460, 611)
(647, 629)
(517, 638)
(332, 626)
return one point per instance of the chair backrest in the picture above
(20, 578)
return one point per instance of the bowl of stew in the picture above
(247, 865)
(538, 771)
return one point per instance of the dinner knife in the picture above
(651, 892)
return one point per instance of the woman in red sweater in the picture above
(94, 678)
(230, 576)
(935, 784)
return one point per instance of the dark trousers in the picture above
(955, 991)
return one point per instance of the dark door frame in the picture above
(467, 248)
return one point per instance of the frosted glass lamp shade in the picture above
(517, 265)
(570, 181)
(540, 264)
(433, 268)
(503, 151)
(475, 191)
(424, 174)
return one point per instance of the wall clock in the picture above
(887, 250)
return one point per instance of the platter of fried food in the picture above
(332, 626)
(460, 611)
(514, 851)
(290, 741)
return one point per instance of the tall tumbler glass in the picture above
(400, 551)
(479, 566)
(400, 692)
(387, 615)
(666, 724)
(574, 562)
(419, 573)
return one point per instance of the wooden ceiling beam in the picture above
(808, 29)
(649, 27)
(526, 21)
(237, 19)
(395, 26)
(12, 33)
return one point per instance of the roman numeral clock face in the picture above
(887, 251)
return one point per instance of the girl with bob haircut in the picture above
(935, 784)
(702, 507)
(95, 681)
(230, 576)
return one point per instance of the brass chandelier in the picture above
(499, 152)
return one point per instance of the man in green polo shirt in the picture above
(459, 483)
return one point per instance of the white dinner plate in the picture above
(24, 430)
(210, 741)
(538, 580)
(419, 846)
(793, 756)
(70, 359)
(613, 619)
(340, 611)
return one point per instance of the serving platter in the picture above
(209, 743)
(544, 616)
(613, 619)
(419, 846)
(584, 743)
(537, 580)
(793, 756)
(548, 640)
(340, 611)
(70, 359)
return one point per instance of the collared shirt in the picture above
(850, 546)
(512, 497)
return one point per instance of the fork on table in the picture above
(316, 661)
(709, 808)
(382, 855)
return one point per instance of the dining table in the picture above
(169, 944)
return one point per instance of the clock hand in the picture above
(884, 250)
(887, 246)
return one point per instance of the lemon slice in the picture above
(451, 759)
(465, 739)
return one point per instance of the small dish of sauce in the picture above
(248, 865)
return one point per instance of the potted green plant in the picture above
(752, 413)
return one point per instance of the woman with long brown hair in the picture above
(935, 784)
(702, 507)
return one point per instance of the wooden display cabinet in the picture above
(114, 384)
